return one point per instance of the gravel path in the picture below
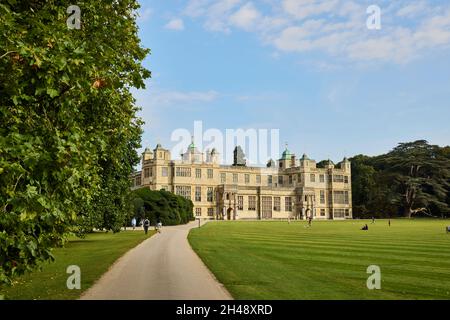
(164, 267)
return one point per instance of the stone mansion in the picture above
(289, 188)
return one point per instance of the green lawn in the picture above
(277, 260)
(94, 255)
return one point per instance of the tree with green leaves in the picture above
(363, 182)
(413, 178)
(420, 174)
(69, 128)
(163, 206)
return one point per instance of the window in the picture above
(147, 172)
(322, 196)
(280, 180)
(345, 179)
(299, 177)
(322, 178)
(322, 212)
(269, 180)
(287, 204)
(198, 173)
(240, 205)
(210, 212)
(223, 177)
(235, 178)
(338, 178)
(258, 179)
(165, 188)
(198, 194)
(266, 212)
(276, 204)
(209, 194)
(198, 212)
(347, 212)
(312, 177)
(341, 197)
(251, 203)
(164, 171)
(210, 173)
(138, 181)
(184, 191)
(339, 213)
(183, 172)
(247, 178)
(290, 179)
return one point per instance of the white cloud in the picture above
(215, 13)
(308, 8)
(160, 98)
(175, 24)
(245, 17)
(155, 102)
(413, 9)
(335, 28)
(434, 32)
(196, 8)
(144, 14)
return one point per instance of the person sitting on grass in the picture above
(366, 227)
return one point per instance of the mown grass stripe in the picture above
(277, 260)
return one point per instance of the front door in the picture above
(229, 213)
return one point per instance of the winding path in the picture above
(164, 267)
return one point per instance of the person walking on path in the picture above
(159, 226)
(133, 223)
(310, 221)
(146, 225)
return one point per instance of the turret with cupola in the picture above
(286, 159)
(192, 154)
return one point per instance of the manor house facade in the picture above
(289, 188)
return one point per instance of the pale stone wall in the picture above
(324, 193)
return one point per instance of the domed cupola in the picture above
(286, 159)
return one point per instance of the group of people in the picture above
(146, 225)
(366, 227)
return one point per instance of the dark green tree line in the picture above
(413, 178)
(162, 206)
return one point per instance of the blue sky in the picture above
(310, 68)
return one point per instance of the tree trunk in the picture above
(407, 212)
